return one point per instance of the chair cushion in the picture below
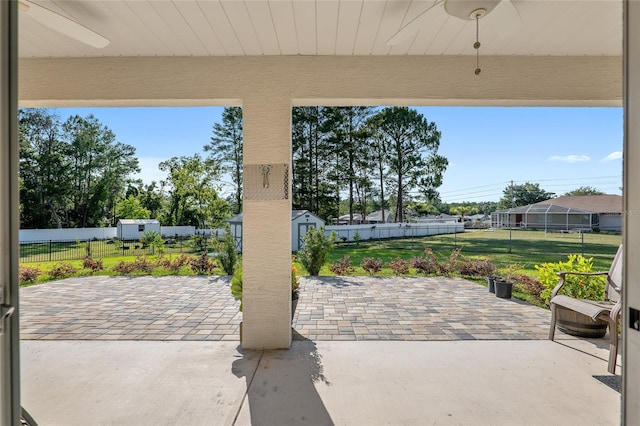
(590, 308)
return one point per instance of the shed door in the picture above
(302, 230)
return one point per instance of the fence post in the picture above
(49, 250)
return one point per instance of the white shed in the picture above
(301, 221)
(132, 229)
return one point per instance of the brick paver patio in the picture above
(330, 308)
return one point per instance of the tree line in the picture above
(346, 160)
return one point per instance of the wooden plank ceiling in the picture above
(320, 27)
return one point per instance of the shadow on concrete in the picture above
(282, 389)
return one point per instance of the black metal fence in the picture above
(52, 250)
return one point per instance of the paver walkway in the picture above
(330, 308)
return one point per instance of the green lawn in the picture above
(528, 248)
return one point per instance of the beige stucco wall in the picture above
(514, 80)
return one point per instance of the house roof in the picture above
(377, 216)
(356, 216)
(138, 221)
(610, 203)
(544, 207)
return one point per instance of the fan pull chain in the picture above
(476, 45)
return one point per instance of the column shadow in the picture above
(282, 389)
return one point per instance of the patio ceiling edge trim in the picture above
(327, 80)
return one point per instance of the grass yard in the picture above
(528, 248)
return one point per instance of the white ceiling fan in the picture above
(62, 24)
(505, 17)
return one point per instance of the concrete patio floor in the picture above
(123, 351)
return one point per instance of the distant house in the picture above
(345, 218)
(376, 217)
(441, 218)
(577, 212)
(301, 221)
(132, 229)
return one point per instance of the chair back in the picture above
(614, 278)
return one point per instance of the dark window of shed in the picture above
(140, 228)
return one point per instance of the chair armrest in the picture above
(615, 311)
(563, 274)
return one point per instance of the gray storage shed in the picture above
(301, 220)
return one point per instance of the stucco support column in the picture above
(266, 234)
(631, 228)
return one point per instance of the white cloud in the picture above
(570, 158)
(615, 155)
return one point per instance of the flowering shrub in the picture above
(124, 268)
(202, 265)
(94, 265)
(476, 267)
(342, 266)
(174, 264)
(427, 263)
(576, 286)
(62, 270)
(371, 265)
(295, 280)
(28, 274)
(399, 266)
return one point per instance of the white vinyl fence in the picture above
(87, 234)
(393, 230)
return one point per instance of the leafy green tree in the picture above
(463, 210)
(227, 253)
(130, 208)
(151, 198)
(154, 240)
(45, 187)
(523, 195)
(100, 169)
(314, 179)
(226, 149)
(378, 154)
(585, 190)
(193, 197)
(423, 209)
(347, 136)
(412, 147)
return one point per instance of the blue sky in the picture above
(487, 147)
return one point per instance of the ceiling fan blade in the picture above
(414, 26)
(63, 25)
(505, 19)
